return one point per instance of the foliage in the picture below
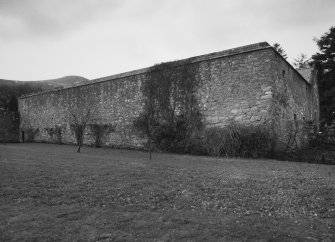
(98, 131)
(9, 126)
(55, 133)
(237, 140)
(325, 138)
(171, 113)
(58, 133)
(12, 104)
(316, 147)
(302, 61)
(280, 50)
(30, 134)
(9, 94)
(325, 63)
(293, 129)
(297, 135)
(78, 131)
(49, 131)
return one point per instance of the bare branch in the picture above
(80, 113)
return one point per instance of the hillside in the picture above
(49, 84)
(63, 82)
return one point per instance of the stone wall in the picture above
(295, 103)
(235, 85)
(115, 102)
(237, 88)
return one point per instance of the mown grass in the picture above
(50, 192)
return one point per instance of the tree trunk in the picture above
(149, 140)
(80, 141)
(3, 135)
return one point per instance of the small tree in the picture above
(280, 50)
(80, 113)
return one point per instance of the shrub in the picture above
(237, 140)
(173, 136)
(99, 131)
(318, 147)
(58, 133)
(325, 138)
(55, 133)
(30, 134)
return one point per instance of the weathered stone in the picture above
(267, 88)
(235, 111)
(266, 96)
(239, 118)
(230, 84)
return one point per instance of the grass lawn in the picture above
(50, 192)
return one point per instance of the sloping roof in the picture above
(306, 73)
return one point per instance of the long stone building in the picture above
(252, 85)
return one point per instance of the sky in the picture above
(47, 39)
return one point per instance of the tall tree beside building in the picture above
(325, 62)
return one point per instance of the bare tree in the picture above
(79, 114)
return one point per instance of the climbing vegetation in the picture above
(100, 131)
(171, 115)
(237, 140)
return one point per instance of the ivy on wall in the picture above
(171, 114)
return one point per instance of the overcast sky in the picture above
(46, 39)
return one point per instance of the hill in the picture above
(49, 84)
(63, 82)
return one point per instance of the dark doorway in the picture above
(22, 135)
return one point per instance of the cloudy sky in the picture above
(45, 39)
